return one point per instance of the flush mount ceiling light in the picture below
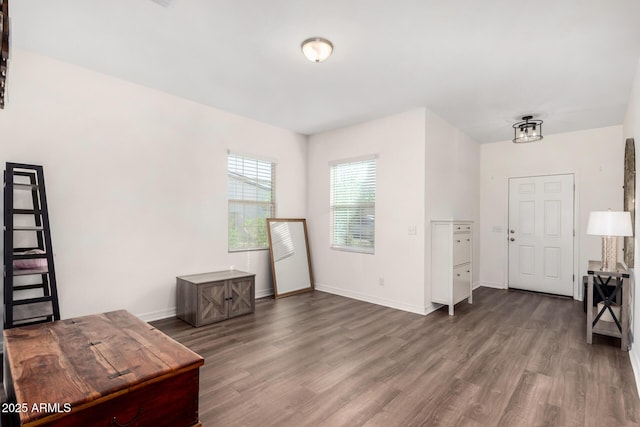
(528, 130)
(317, 49)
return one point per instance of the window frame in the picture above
(270, 205)
(366, 207)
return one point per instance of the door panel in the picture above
(552, 218)
(527, 218)
(527, 264)
(242, 298)
(212, 305)
(552, 262)
(541, 233)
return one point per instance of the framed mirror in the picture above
(630, 197)
(290, 260)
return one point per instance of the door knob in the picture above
(512, 239)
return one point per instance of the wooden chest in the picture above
(110, 369)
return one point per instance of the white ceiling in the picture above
(478, 64)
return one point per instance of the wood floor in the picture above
(510, 359)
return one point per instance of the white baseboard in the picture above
(431, 307)
(263, 293)
(157, 315)
(494, 285)
(375, 300)
(171, 312)
(634, 357)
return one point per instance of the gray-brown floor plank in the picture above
(512, 358)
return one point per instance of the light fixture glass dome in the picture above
(317, 49)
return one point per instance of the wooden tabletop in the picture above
(86, 359)
(595, 267)
(215, 276)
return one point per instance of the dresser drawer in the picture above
(462, 228)
(461, 248)
(461, 283)
(172, 402)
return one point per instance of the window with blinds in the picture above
(251, 196)
(353, 203)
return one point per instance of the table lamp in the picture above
(609, 225)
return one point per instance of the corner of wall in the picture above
(634, 357)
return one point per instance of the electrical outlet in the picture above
(412, 230)
(381, 281)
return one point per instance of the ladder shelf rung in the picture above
(36, 300)
(28, 287)
(27, 212)
(29, 256)
(28, 228)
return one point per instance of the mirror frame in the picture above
(276, 294)
(630, 198)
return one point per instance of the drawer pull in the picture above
(135, 418)
(458, 241)
(468, 240)
(458, 274)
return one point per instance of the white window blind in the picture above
(251, 196)
(282, 243)
(353, 202)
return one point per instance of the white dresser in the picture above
(451, 262)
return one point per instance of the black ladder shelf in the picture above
(26, 229)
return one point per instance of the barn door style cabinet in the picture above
(451, 262)
(212, 297)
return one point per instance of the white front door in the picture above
(541, 234)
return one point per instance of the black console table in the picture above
(597, 279)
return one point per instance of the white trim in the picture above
(634, 357)
(263, 293)
(376, 300)
(577, 284)
(353, 159)
(231, 152)
(157, 315)
(493, 285)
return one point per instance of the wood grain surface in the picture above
(511, 359)
(90, 359)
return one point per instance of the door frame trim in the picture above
(577, 282)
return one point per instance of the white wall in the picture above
(452, 176)
(399, 142)
(427, 170)
(136, 183)
(596, 158)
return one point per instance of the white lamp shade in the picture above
(608, 223)
(317, 49)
